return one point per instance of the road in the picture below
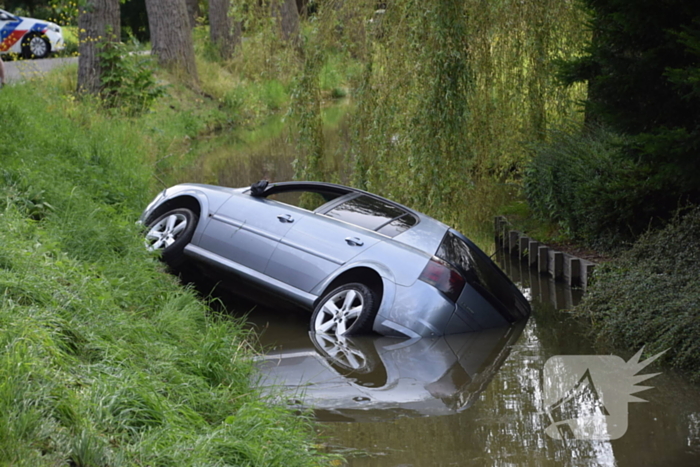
(26, 69)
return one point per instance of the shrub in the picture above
(128, 82)
(587, 183)
(649, 296)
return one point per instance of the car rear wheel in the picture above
(347, 310)
(343, 353)
(170, 233)
(35, 46)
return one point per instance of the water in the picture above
(243, 157)
(475, 399)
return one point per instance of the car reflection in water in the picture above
(375, 378)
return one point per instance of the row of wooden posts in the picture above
(561, 266)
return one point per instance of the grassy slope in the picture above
(650, 296)
(105, 359)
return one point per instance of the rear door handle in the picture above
(354, 241)
(285, 218)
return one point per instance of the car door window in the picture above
(373, 214)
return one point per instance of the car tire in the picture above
(35, 46)
(170, 233)
(344, 353)
(345, 311)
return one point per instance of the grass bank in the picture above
(106, 359)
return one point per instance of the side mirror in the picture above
(258, 189)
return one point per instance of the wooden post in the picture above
(532, 250)
(542, 259)
(573, 271)
(513, 236)
(556, 264)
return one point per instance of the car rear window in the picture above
(374, 214)
(478, 270)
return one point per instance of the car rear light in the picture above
(443, 277)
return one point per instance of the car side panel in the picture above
(257, 278)
(405, 263)
(316, 247)
(425, 236)
(247, 230)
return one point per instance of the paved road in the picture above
(26, 69)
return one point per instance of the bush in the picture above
(128, 82)
(587, 183)
(649, 296)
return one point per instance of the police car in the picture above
(29, 37)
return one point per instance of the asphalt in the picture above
(27, 69)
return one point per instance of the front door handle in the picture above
(285, 218)
(354, 241)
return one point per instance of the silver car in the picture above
(360, 262)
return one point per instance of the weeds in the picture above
(106, 359)
(128, 83)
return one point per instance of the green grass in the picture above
(106, 359)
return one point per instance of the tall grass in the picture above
(106, 360)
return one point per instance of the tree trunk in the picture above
(224, 32)
(192, 11)
(171, 36)
(286, 13)
(98, 22)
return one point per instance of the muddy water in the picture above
(475, 399)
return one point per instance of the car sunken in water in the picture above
(358, 261)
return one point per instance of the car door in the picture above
(9, 34)
(247, 230)
(314, 248)
(321, 243)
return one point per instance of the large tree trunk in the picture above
(171, 36)
(192, 11)
(224, 32)
(98, 22)
(286, 13)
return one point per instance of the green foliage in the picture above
(642, 70)
(649, 296)
(106, 359)
(306, 112)
(450, 92)
(585, 182)
(274, 95)
(128, 82)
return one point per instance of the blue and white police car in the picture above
(29, 37)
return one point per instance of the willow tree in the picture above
(452, 89)
(171, 36)
(98, 22)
